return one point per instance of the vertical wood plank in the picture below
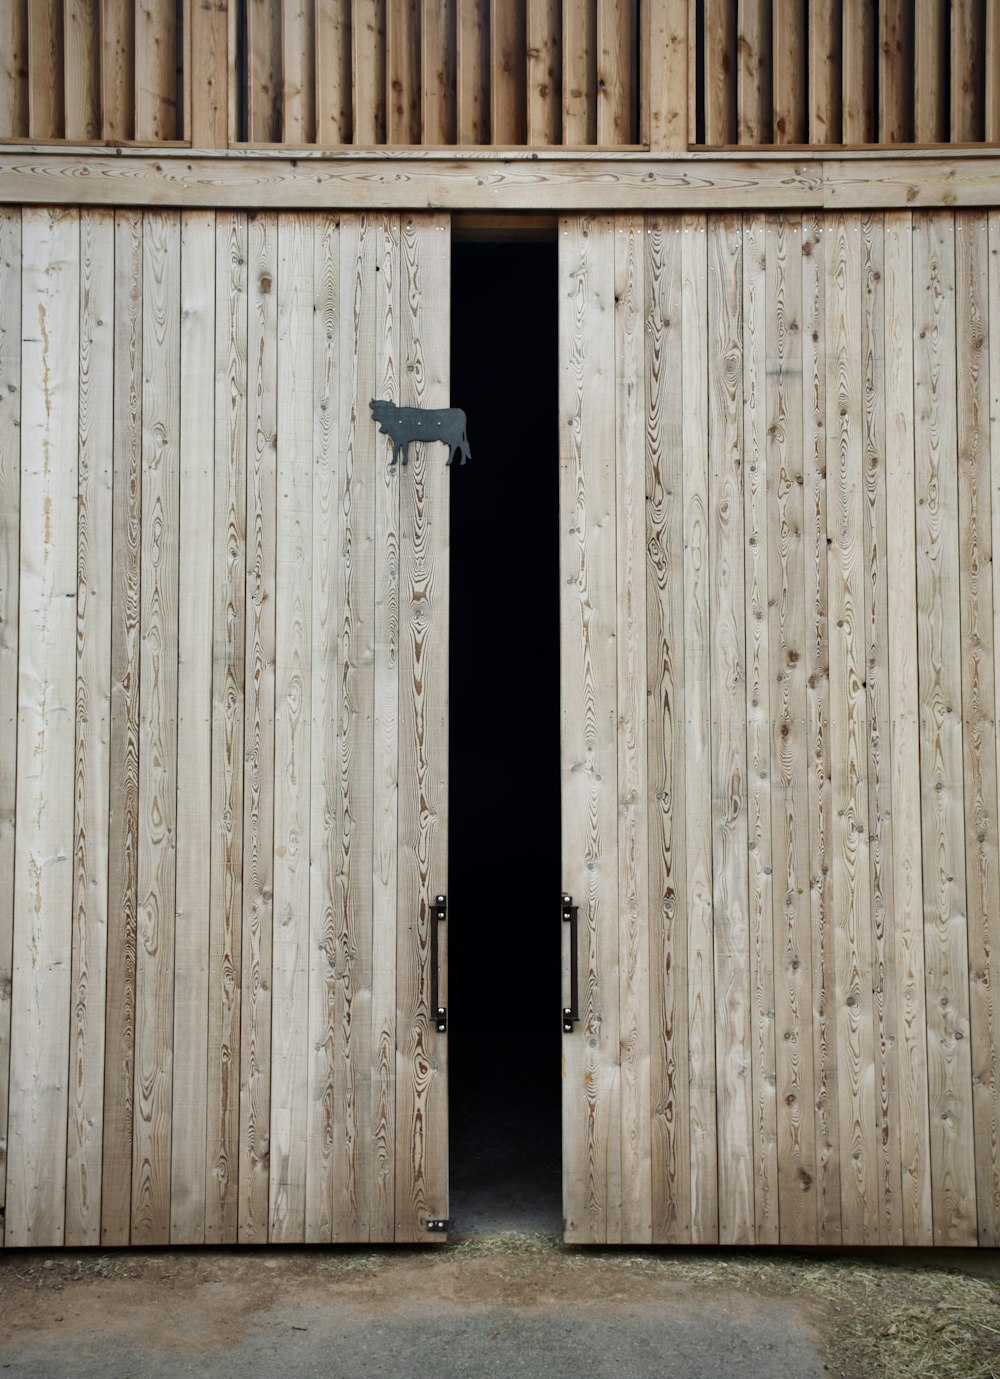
(721, 65)
(292, 738)
(368, 72)
(437, 72)
(787, 545)
(694, 768)
(44, 845)
(616, 53)
(733, 1052)
(10, 512)
(984, 1064)
(859, 102)
(195, 834)
(81, 21)
(895, 72)
(670, 1150)
(930, 69)
(402, 57)
(967, 74)
(941, 746)
(828, 1214)
(14, 69)
(824, 72)
(907, 878)
(544, 78)
(157, 822)
(472, 71)
(665, 62)
(333, 71)
(123, 819)
(579, 72)
(421, 1062)
(789, 68)
(508, 73)
(93, 709)
(206, 76)
(259, 718)
(753, 73)
(758, 731)
(155, 72)
(975, 344)
(264, 89)
(589, 710)
(633, 851)
(298, 72)
(991, 131)
(117, 69)
(46, 114)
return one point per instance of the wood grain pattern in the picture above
(333, 71)
(616, 49)
(46, 76)
(753, 73)
(93, 711)
(44, 843)
(508, 73)
(859, 107)
(930, 65)
(966, 76)
(368, 86)
(437, 73)
(117, 70)
(472, 72)
(188, 1145)
(991, 93)
(81, 20)
(579, 72)
(895, 71)
(264, 81)
(663, 74)
(544, 74)
(298, 72)
(824, 82)
(402, 81)
(207, 75)
(155, 72)
(14, 69)
(789, 72)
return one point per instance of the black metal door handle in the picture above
(571, 1013)
(439, 1013)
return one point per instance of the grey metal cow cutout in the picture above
(422, 424)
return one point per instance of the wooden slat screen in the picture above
(666, 73)
(780, 665)
(223, 681)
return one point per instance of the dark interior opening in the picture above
(504, 939)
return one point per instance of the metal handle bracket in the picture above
(439, 1013)
(571, 1013)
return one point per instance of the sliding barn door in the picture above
(780, 462)
(223, 756)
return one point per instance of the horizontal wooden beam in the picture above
(494, 180)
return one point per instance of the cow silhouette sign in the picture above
(423, 425)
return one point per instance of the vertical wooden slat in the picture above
(788, 74)
(754, 72)
(824, 1010)
(664, 63)
(579, 73)
(930, 66)
(157, 730)
(45, 69)
(880, 796)
(264, 84)
(44, 845)
(82, 47)
(117, 69)
(207, 74)
(472, 71)
(967, 74)
(123, 820)
(402, 81)
(666, 738)
(544, 78)
(195, 832)
(385, 835)
(721, 64)
(437, 72)
(907, 882)
(421, 1061)
(848, 734)
(975, 344)
(985, 1058)
(589, 788)
(14, 68)
(155, 71)
(787, 545)
(259, 719)
(758, 715)
(10, 510)
(298, 72)
(292, 738)
(824, 72)
(859, 103)
(895, 71)
(369, 92)
(616, 72)
(633, 865)
(941, 748)
(730, 859)
(508, 73)
(694, 768)
(991, 63)
(333, 71)
(93, 706)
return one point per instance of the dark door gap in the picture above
(504, 829)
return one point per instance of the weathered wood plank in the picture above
(930, 70)
(664, 68)
(44, 844)
(967, 74)
(292, 736)
(421, 1060)
(259, 717)
(333, 71)
(14, 69)
(790, 65)
(859, 104)
(730, 857)
(298, 72)
(81, 19)
(45, 70)
(975, 343)
(895, 71)
(941, 748)
(117, 69)
(123, 818)
(508, 73)
(991, 130)
(824, 72)
(155, 72)
(402, 57)
(195, 834)
(472, 72)
(437, 73)
(544, 76)
(208, 74)
(579, 72)
(985, 1059)
(93, 711)
(753, 73)
(616, 51)
(264, 82)
(758, 716)
(368, 72)
(10, 513)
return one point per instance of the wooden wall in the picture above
(662, 73)
(223, 747)
(780, 480)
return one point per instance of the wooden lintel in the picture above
(498, 181)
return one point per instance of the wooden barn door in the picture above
(223, 757)
(779, 475)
